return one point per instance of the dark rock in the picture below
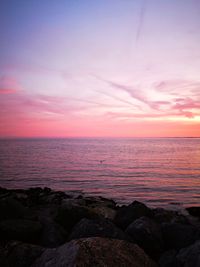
(53, 234)
(127, 214)
(168, 216)
(3, 258)
(190, 256)
(22, 255)
(168, 259)
(10, 208)
(100, 201)
(95, 252)
(194, 211)
(19, 229)
(176, 235)
(98, 227)
(69, 215)
(147, 234)
(105, 212)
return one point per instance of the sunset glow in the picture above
(100, 68)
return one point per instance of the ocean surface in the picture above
(157, 171)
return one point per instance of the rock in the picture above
(127, 214)
(10, 208)
(177, 236)
(168, 216)
(190, 256)
(53, 234)
(3, 258)
(22, 255)
(100, 201)
(105, 212)
(19, 229)
(98, 227)
(95, 252)
(69, 215)
(194, 211)
(147, 234)
(168, 259)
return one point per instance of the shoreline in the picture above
(38, 223)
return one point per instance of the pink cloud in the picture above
(9, 85)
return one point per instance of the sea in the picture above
(161, 172)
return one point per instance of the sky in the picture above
(110, 68)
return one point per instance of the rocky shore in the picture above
(40, 227)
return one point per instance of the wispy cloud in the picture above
(141, 21)
(136, 93)
(177, 86)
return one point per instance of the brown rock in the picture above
(95, 252)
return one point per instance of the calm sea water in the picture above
(159, 172)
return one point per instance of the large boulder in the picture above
(11, 208)
(53, 234)
(177, 235)
(186, 257)
(95, 252)
(127, 214)
(68, 215)
(168, 216)
(190, 256)
(147, 234)
(21, 255)
(194, 211)
(98, 227)
(168, 259)
(105, 212)
(19, 229)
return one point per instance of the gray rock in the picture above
(147, 234)
(95, 252)
(127, 214)
(98, 227)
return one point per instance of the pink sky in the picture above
(105, 68)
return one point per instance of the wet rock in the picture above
(168, 259)
(95, 252)
(190, 256)
(194, 211)
(98, 227)
(10, 208)
(20, 229)
(22, 255)
(69, 215)
(147, 234)
(127, 214)
(177, 236)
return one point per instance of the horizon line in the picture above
(91, 137)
